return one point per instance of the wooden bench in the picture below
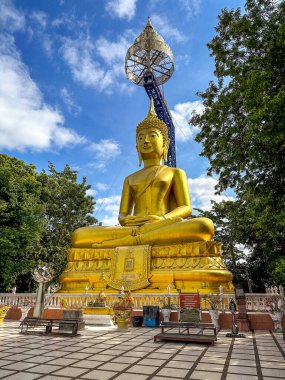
(35, 325)
(187, 332)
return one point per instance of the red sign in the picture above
(190, 300)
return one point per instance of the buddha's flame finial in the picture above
(151, 110)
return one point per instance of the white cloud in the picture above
(105, 151)
(91, 192)
(162, 25)
(181, 116)
(26, 121)
(202, 191)
(101, 186)
(121, 8)
(113, 51)
(72, 107)
(190, 7)
(40, 18)
(79, 55)
(107, 210)
(84, 58)
(10, 18)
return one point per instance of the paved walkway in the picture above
(105, 354)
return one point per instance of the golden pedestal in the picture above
(188, 267)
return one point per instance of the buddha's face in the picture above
(150, 143)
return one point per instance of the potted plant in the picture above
(213, 302)
(123, 310)
(273, 305)
(166, 309)
(3, 311)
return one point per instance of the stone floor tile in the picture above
(161, 378)
(277, 373)
(91, 350)
(101, 357)
(210, 367)
(125, 359)
(50, 377)
(87, 364)
(39, 359)
(173, 372)
(18, 357)
(4, 362)
(113, 352)
(156, 355)
(155, 362)
(266, 358)
(203, 375)
(16, 350)
(44, 368)
(19, 366)
(70, 371)
(56, 354)
(114, 366)
(243, 362)
(98, 375)
(4, 354)
(62, 361)
(136, 354)
(280, 364)
(23, 376)
(133, 376)
(36, 352)
(243, 356)
(142, 369)
(179, 364)
(77, 355)
(208, 359)
(242, 370)
(5, 372)
(232, 376)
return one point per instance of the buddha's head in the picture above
(152, 137)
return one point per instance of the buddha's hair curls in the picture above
(152, 121)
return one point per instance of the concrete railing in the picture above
(255, 302)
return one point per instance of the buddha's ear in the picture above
(165, 151)
(140, 156)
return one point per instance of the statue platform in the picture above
(188, 267)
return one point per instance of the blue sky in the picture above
(65, 98)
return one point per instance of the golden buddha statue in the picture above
(156, 244)
(158, 197)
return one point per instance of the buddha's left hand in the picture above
(140, 220)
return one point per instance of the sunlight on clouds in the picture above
(10, 18)
(25, 120)
(105, 151)
(181, 116)
(121, 8)
(161, 24)
(107, 210)
(202, 191)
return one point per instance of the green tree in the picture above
(21, 219)
(38, 213)
(242, 126)
(67, 207)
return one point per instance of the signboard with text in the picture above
(189, 300)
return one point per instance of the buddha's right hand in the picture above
(132, 220)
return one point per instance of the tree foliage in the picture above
(38, 214)
(242, 126)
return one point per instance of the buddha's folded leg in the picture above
(85, 237)
(196, 229)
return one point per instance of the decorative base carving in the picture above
(188, 267)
